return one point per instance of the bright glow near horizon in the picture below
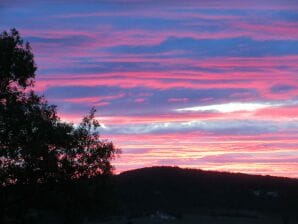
(229, 107)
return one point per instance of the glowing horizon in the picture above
(198, 84)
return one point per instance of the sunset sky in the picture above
(201, 84)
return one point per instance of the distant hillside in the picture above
(177, 190)
(155, 195)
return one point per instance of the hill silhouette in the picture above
(177, 191)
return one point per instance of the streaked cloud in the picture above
(201, 84)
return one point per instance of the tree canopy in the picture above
(35, 145)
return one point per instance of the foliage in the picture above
(35, 145)
(17, 63)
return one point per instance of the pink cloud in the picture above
(254, 80)
(279, 113)
(140, 100)
(205, 151)
(89, 100)
(175, 100)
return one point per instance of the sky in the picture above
(200, 84)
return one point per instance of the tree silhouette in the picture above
(35, 145)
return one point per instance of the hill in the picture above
(178, 191)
